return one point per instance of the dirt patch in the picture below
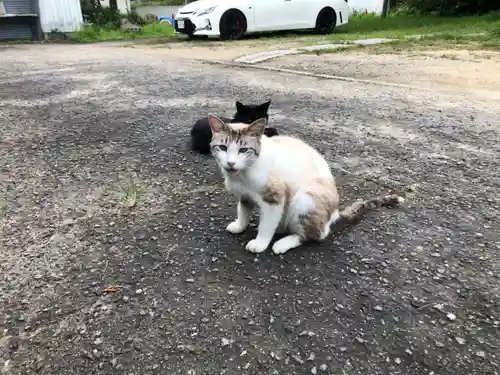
(450, 70)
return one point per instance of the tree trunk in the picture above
(385, 8)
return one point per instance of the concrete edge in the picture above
(311, 74)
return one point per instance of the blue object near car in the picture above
(166, 19)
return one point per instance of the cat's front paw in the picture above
(235, 227)
(257, 246)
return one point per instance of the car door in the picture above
(295, 12)
(271, 15)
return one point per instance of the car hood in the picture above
(198, 5)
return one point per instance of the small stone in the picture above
(481, 354)
(439, 307)
(114, 362)
(98, 341)
(138, 291)
(298, 359)
(398, 361)
(190, 281)
(125, 298)
(360, 340)
(244, 352)
(205, 320)
(343, 349)
(460, 340)
(225, 342)
(452, 317)
(408, 351)
(378, 308)
(323, 367)
(311, 357)
(314, 371)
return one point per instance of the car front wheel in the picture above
(233, 25)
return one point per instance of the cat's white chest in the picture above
(248, 187)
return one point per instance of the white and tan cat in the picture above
(287, 180)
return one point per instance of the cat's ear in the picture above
(265, 106)
(240, 106)
(256, 128)
(216, 124)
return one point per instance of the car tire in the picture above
(326, 21)
(233, 25)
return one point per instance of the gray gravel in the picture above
(114, 258)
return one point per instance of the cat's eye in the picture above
(223, 148)
(243, 150)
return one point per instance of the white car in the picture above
(231, 19)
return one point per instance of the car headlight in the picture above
(205, 11)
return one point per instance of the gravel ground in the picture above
(114, 258)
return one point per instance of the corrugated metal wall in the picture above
(15, 32)
(19, 6)
(61, 15)
(12, 29)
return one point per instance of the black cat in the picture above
(201, 135)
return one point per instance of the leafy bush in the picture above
(103, 17)
(447, 7)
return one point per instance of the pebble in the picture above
(378, 308)
(460, 340)
(138, 291)
(311, 357)
(314, 371)
(190, 281)
(125, 298)
(481, 354)
(439, 307)
(98, 341)
(298, 360)
(452, 317)
(323, 367)
(226, 342)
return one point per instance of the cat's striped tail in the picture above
(356, 210)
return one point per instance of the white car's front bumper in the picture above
(190, 24)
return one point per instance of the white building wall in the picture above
(62, 15)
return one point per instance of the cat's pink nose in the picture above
(230, 164)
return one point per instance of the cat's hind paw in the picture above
(235, 227)
(256, 246)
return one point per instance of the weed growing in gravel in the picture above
(130, 194)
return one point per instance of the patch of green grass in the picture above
(396, 26)
(96, 34)
(474, 32)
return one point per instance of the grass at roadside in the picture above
(96, 34)
(474, 32)
(396, 26)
